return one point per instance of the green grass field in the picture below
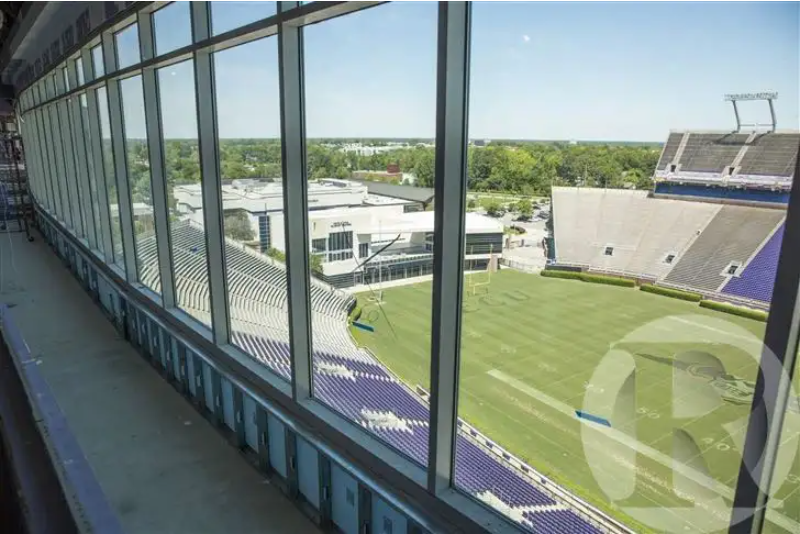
(530, 346)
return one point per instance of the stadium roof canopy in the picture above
(405, 192)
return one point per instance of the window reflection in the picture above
(369, 264)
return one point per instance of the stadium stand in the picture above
(641, 231)
(758, 277)
(347, 378)
(670, 150)
(732, 236)
(771, 155)
(711, 152)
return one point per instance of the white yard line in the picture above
(699, 478)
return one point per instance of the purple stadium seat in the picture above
(759, 276)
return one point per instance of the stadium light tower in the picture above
(769, 96)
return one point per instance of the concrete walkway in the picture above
(163, 468)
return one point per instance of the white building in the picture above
(357, 234)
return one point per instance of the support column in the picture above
(452, 92)
(295, 202)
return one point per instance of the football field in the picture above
(670, 379)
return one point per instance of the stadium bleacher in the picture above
(346, 377)
(732, 236)
(711, 152)
(716, 206)
(771, 155)
(758, 277)
(670, 150)
(642, 231)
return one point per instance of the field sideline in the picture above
(529, 348)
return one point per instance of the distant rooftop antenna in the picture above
(739, 97)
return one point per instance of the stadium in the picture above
(711, 227)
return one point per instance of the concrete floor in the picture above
(163, 468)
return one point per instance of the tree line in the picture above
(527, 168)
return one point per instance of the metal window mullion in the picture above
(773, 383)
(83, 171)
(452, 93)
(125, 206)
(100, 173)
(295, 203)
(155, 151)
(210, 175)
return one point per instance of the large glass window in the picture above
(81, 172)
(127, 45)
(97, 61)
(372, 121)
(91, 170)
(69, 171)
(110, 176)
(626, 395)
(227, 16)
(139, 182)
(172, 26)
(248, 117)
(184, 189)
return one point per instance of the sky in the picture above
(585, 71)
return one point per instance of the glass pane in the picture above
(184, 192)
(80, 167)
(172, 26)
(65, 76)
(127, 43)
(586, 354)
(69, 167)
(110, 177)
(140, 182)
(97, 61)
(92, 172)
(370, 253)
(56, 166)
(79, 69)
(227, 16)
(248, 117)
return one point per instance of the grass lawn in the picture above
(530, 346)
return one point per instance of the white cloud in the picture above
(526, 38)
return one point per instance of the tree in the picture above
(525, 209)
(237, 226)
(316, 265)
(493, 207)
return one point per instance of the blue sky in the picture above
(589, 71)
